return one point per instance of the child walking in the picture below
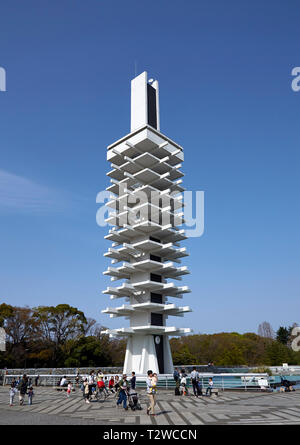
(30, 395)
(69, 389)
(12, 393)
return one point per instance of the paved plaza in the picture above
(229, 408)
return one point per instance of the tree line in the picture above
(62, 336)
(55, 336)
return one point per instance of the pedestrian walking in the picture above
(194, 378)
(36, 380)
(30, 394)
(123, 388)
(106, 385)
(22, 387)
(91, 382)
(69, 388)
(12, 393)
(151, 391)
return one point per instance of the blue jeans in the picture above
(122, 398)
(208, 389)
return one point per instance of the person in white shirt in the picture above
(63, 381)
(151, 392)
(91, 382)
(194, 378)
(91, 379)
(12, 393)
(210, 386)
(183, 383)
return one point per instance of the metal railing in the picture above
(289, 370)
(221, 381)
(44, 379)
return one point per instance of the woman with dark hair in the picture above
(91, 382)
(151, 392)
(22, 387)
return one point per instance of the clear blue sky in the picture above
(225, 89)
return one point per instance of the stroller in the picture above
(133, 400)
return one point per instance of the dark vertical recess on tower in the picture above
(159, 347)
(152, 115)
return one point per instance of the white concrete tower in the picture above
(146, 196)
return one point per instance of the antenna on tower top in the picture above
(144, 102)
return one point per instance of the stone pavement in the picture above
(229, 408)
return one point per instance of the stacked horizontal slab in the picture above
(146, 214)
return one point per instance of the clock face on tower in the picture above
(157, 340)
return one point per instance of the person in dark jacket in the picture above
(124, 386)
(133, 380)
(22, 387)
(176, 375)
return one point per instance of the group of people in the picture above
(181, 388)
(120, 387)
(114, 385)
(123, 388)
(286, 385)
(23, 387)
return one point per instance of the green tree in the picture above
(283, 335)
(86, 351)
(183, 357)
(6, 311)
(276, 354)
(60, 323)
(231, 357)
(57, 325)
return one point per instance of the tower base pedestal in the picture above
(146, 352)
